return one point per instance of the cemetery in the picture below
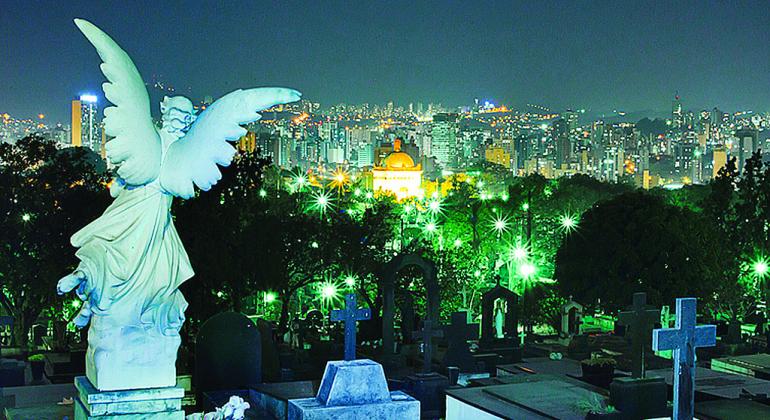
(207, 285)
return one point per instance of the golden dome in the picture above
(398, 160)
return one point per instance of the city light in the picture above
(525, 206)
(262, 193)
(269, 297)
(321, 202)
(88, 98)
(500, 224)
(328, 290)
(26, 217)
(519, 253)
(760, 268)
(568, 222)
(430, 227)
(434, 206)
(350, 281)
(527, 270)
(458, 243)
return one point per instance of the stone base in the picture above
(400, 406)
(149, 404)
(640, 398)
(429, 390)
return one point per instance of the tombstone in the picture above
(39, 332)
(640, 320)
(407, 317)
(228, 353)
(639, 397)
(354, 389)
(458, 333)
(6, 331)
(683, 340)
(571, 318)
(426, 334)
(271, 365)
(428, 387)
(508, 347)
(350, 315)
(388, 275)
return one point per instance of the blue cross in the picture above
(683, 340)
(350, 315)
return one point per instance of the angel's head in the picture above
(177, 113)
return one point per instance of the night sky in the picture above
(595, 55)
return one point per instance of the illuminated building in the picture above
(444, 139)
(86, 129)
(747, 145)
(720, 160)
(397, 174)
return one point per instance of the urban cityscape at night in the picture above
(481, 210)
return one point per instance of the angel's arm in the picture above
(193, 159)
(136, 146)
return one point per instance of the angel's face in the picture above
(177, 115)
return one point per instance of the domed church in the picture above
(397, 174)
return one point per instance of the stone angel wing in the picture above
(136, 146)
(193, 159)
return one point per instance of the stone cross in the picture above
(641, 321)
(683, 340)
(427, 335)
(350, 315)
(522, 336)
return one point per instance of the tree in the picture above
(637, 242)
(46, 195)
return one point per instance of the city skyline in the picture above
(599, 59)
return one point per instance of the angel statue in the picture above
(131, 259)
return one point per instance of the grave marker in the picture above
(350, 315)
(641, 321)
(427, 333)
(458, 332)
(683, 340)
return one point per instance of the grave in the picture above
(228, 356)
(754, 365)
(388, 275)
(637, 396)
(526, 396)
(350, 315)
(571, 318)
(711, 384)
(509, 345)
(354, 389)
(458, 333)
(6, 332)
(427, 386)
(683, 340)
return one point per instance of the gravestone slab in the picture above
(155, 403)
(521, 397)
(354, 389)
(428, 388)
(640, 320)
(756, 365)
(228, 353)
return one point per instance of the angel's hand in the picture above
(70, 282)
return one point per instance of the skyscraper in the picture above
(747, 144)
(677, 116)
(86, 128)
(444, 139)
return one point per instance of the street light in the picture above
(527, 270)
(760, 268)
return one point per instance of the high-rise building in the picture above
(720, 160)
(561, 140)
(747, 141)
(444, 139)
(677, 115)
(86, 127)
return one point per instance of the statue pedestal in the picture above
(355, 389)
(150, 403)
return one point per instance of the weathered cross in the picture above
(427, 335)
(522, 336)
(641, 321)
(683, 340)
(350, 315)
